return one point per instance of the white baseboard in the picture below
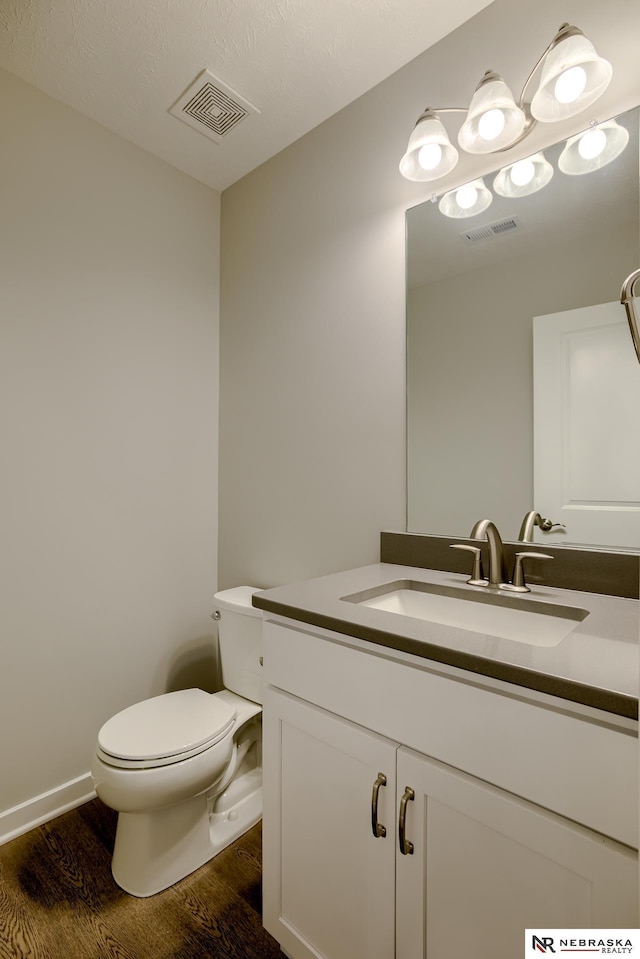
(20, 819)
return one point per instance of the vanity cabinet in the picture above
(487, 865)
(328, 885)
(480, 862)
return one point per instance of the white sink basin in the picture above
(507, 617)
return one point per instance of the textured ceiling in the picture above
(124, 63)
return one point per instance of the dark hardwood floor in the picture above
(58, 899)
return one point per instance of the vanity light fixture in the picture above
(572, 77)
(593, 148)
(494, 122)
(430, 153)
(523, 177)
(466, 200)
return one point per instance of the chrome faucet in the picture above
(485, 529)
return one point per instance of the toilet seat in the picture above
(165, 729)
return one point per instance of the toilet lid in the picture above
(169, 725)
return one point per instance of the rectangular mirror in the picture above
(523, 387)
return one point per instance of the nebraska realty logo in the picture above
(582, 942)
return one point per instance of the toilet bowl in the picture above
(184, 770)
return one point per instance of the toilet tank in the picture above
(240, 638)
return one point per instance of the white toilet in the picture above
(184, 770)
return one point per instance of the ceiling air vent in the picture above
(492, 229)
(211, 107)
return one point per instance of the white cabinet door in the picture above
(329, 884)
(487, 865)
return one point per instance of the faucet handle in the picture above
(519, 584)
(477, 575)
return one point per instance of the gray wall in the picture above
(312, 367)
(312, 438)
(108, 404)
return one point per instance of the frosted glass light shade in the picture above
(514, 181)
(430, 154)
(493, 119)
(466, 200)
(581, 156)
(573, 77)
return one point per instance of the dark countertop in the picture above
(596, 665)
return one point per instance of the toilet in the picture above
(184, 770)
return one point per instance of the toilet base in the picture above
(229, 825)
(154, 850)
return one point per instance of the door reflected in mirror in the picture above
(476, 290)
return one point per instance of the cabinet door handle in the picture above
(406, 847)
(379, 831)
